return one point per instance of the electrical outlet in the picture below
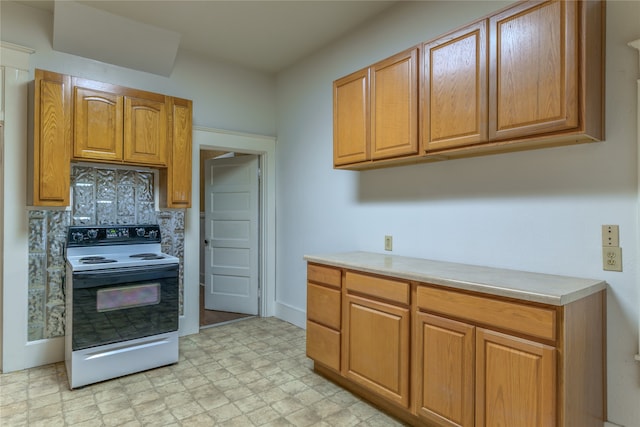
(610, 235)
(388, 243)
(612, 259)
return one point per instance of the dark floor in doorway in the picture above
(212, 317)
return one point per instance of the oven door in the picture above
(120, 304)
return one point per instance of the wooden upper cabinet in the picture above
(98, 124)
(49, 151)
(351, 118)
(394, 106)
(529, 76)
(534, 69)
(375, 112)
(117, 124)
(176, 178)
(454, 90)
(145, 130)
(80, 119)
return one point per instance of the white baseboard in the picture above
(38, 353)
(291, 314)
(608, 424)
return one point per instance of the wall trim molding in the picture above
(636, 44)
(291, 314)
(17, 352)
(15, 56)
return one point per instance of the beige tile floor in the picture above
(252, 372)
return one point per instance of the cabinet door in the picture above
(51, 151)
(98, 125)
(533, 86)
(176, 178)
(515, 381)
(455, 108)
(376, 347)
(394, 106)
(445, 376)
(145, 130)
(351, 118)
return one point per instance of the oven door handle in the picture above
(117, 276)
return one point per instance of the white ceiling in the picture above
(265, 35)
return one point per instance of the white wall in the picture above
(225, 97)
(538, 210)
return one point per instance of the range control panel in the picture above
(113, 235)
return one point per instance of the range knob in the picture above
(93, 233)
(77, 237)
(153, 234)
(140, 232)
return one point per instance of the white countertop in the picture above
(537, 287)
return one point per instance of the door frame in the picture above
(263, 146)
(245, 168)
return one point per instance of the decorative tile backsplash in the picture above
(100, 195)
(112, 196)
(47, 237)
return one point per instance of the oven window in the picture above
(127, 297)
(123, 305)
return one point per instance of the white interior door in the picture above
(231, 234)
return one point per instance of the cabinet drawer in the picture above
(392, 290)
(526, 319)
(323, 305)
(323, 345)
(326, 275)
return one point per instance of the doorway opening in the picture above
(227, 141)
(229, 256)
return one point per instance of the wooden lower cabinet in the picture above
(515, 381)
(437, 356)
(376, 347)
(514, 378)
(324, 315)
(445, 370)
